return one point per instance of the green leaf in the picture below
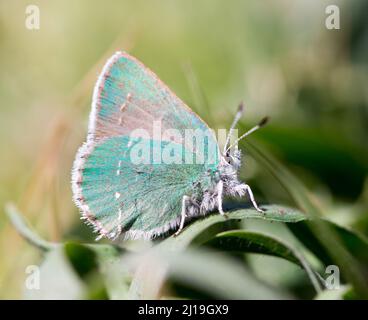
(253, 242)
(322, 230)
(212, 272)
(343, 293)
(84, 261)
(19, 223)
(356, 243)
(82, 258)
(256, 242)
(204, 229)
(149, 279)
(117, 277)
(96, 264)
(57, 279)
(79, 264)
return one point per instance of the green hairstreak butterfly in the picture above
(131, 181)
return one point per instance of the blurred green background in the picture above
(276, 56)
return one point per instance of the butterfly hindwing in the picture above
(115, 194)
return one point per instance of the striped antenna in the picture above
(259, 125)
(233, 125)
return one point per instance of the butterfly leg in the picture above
(183, 215)
(220, 190)
(251, 197)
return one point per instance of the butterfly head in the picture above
(231, 156)
(229, 166)
(234, 159)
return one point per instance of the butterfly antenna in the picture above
(233, 125)
(259, 125)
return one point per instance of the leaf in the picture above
(337, 294)
(356, 243)
(213, 272)
(57, 279)
(25, 230)
(327, 236)
(149, 279)
(203, 229)
(99, 266)
(117, 277)
(82, 258)
(256, 242)
(79, 263)
(252, 242)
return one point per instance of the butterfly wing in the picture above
(128, 96)
(115, 194)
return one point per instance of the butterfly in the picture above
(127, 199)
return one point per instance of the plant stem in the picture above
(25, 231)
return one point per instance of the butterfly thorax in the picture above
(228, 170)
(205, 189)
